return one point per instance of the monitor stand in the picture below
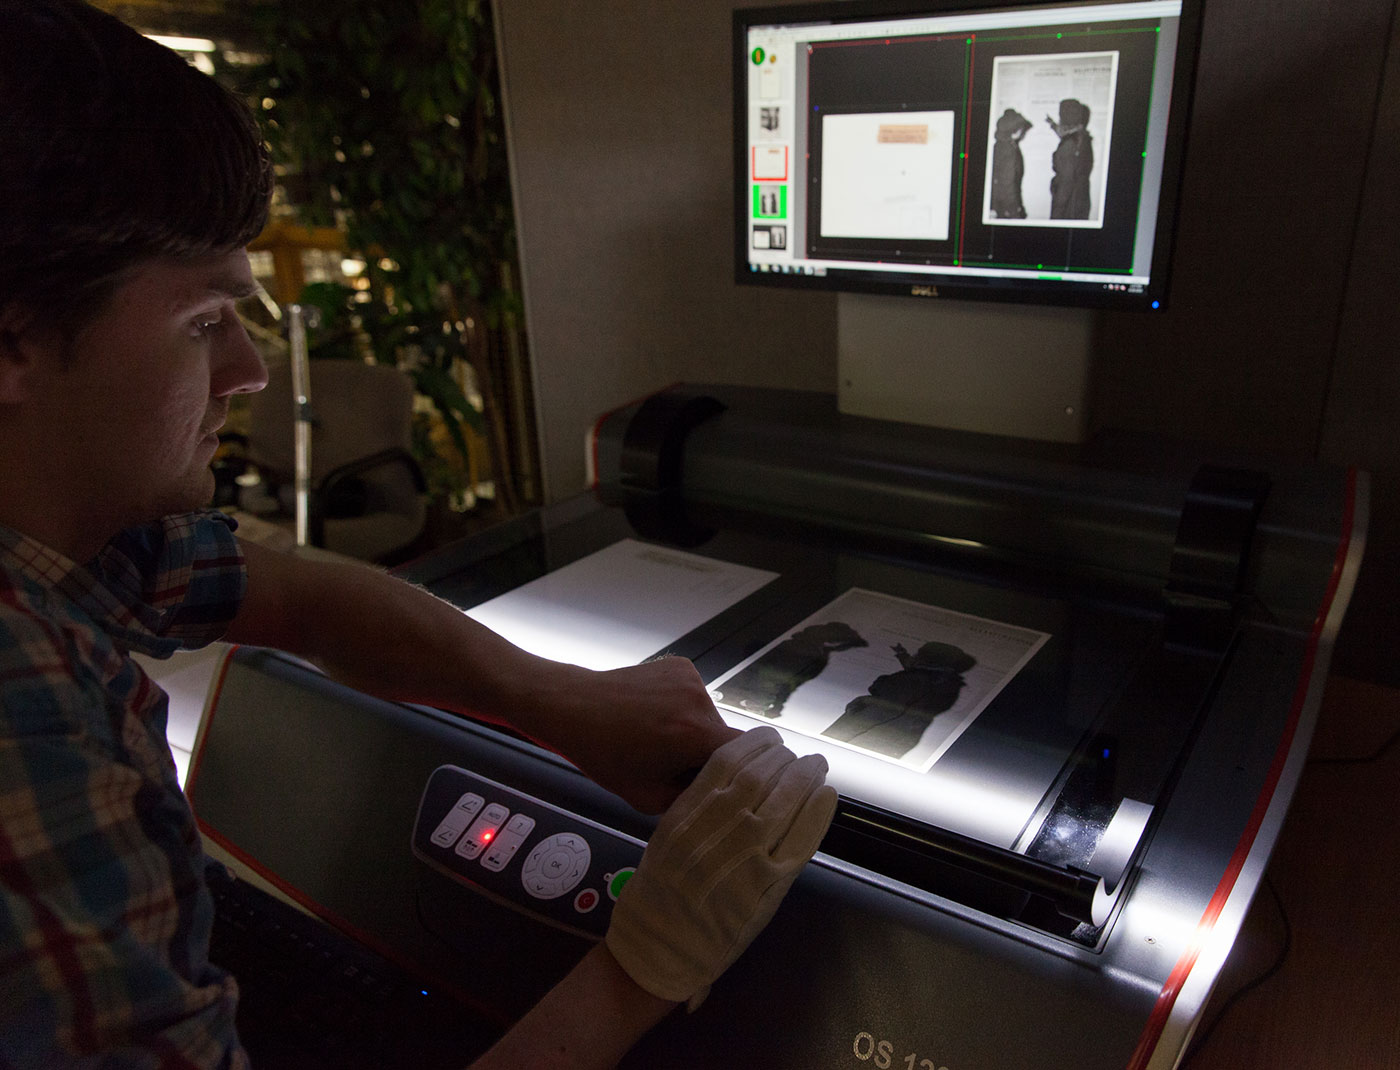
(1002, 369)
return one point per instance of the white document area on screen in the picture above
(886, 175)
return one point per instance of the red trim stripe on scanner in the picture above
(210, 705)
(318, 909)
(598, 426)
(1166, 999)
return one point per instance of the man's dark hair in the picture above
(1074, 113)
(113, 150)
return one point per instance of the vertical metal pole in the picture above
(525, 431)
(301, 420)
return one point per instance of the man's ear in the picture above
(16, 356)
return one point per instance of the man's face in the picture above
(146, 386)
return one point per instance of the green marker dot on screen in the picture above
(757, 56)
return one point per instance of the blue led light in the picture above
(1156, 304)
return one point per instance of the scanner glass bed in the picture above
(1063, 722)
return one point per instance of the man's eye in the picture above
(207, 325)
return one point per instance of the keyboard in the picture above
(313, 997)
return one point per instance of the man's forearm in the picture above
(389, 638)
(640, 731)
(586, 1022)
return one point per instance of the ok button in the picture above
(558, 863)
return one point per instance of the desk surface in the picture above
(1332, 1005)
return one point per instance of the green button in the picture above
(619, 879)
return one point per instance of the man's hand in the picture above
(719, 863)
(642, 732)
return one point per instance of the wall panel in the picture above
(619, 119)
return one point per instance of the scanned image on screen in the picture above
(1047, 145)
(886, 676)
(768, 122)
(886, 175)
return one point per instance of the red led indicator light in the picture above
(486, 836)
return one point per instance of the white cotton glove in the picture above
(719, 863)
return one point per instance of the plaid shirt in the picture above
(104, 916)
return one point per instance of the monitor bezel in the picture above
(1151, 297)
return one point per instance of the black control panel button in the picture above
(516, 849)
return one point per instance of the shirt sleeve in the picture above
(182, 578)
(104, 921)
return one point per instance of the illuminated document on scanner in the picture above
(618, 606)
(891, 678)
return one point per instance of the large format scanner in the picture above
(1065, 694)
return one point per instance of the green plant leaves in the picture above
(434, 195)
(428, 208)
(451, 403)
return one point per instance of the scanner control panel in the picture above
(523, 852)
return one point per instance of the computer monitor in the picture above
(941, 148)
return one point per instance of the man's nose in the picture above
(240, 369)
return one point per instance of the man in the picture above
(1073, 161)
(129, 186)
(765, 686)
(899, 706)
(1008, 165)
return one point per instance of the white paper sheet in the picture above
(618, 606)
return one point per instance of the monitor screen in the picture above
(936, 149)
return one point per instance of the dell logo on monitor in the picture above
(923, 291)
